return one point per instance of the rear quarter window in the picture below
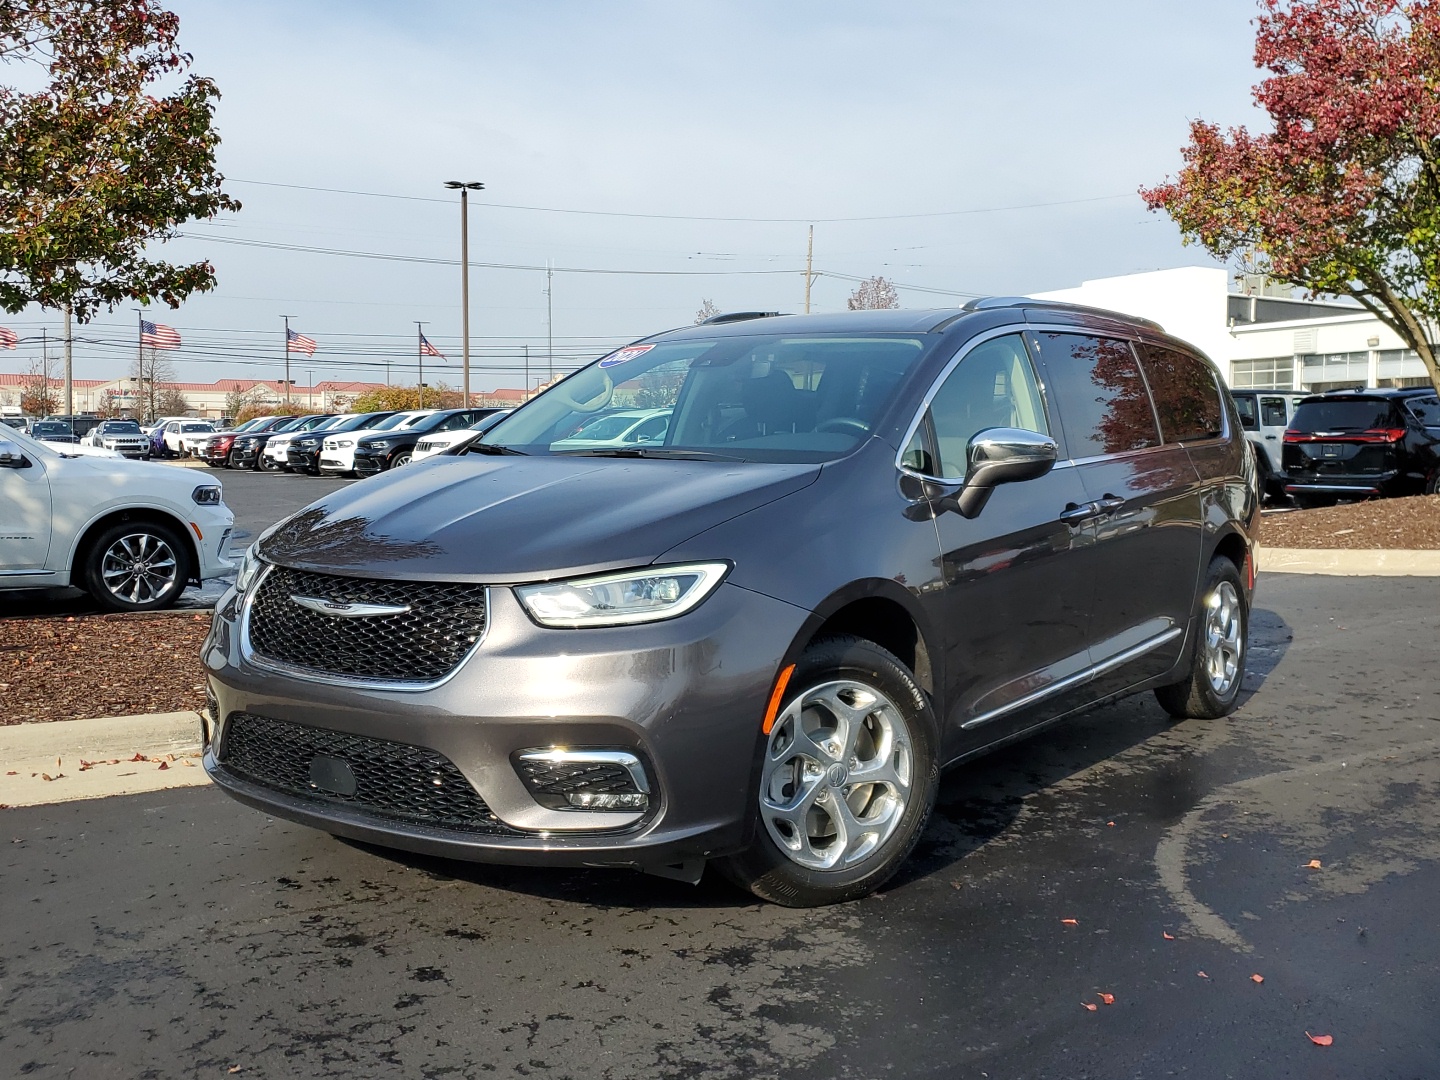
(1187, 399)
(1103, 405)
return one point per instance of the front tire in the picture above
(1212, 689)
(402, 458)
(849, 775)
(141, 566)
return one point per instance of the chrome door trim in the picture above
(1079, 678)
(27, 573)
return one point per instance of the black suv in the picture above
(867, 547)
(1361, 443)
(383, 450)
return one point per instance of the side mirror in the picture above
(10, 455)
(1002, 456)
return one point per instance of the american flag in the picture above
(158, 336)
(299, 343)
(426, 349)
(8, 340)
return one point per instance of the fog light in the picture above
(590, 800)
(563, 779)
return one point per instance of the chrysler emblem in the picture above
(349, 611)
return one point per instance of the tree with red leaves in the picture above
(1343, 196)
(96, 161)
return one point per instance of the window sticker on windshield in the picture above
(627, 353)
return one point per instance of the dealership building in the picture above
(1261, 336)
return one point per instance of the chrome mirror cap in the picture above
(1003, 456)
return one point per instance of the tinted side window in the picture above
(1186, 397)
(1245, 406)
(994, 386)
(1272, 412)
(1100, 393)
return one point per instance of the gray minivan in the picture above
(868, 547)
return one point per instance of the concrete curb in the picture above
(93, 759)
(1350, 562)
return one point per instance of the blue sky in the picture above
(802, 111)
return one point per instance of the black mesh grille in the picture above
(392, 780)
(560, 778)
(426, 643)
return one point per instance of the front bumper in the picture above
(685, 696)
(302, 460)
(245, 457)
(368, 464)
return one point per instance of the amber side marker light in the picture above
(198, 534)
(779, 692)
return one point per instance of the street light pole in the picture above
(465, 187)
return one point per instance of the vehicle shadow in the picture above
(978, 803)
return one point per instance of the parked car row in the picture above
(1361, 443)
(343, 444)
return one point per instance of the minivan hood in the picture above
(521, 519)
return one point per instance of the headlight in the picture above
(250, 567)
(306, 443)
(636, 596)
(206, 495)
(378, 444)
(338, 444)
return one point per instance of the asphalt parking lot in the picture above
(179, 934)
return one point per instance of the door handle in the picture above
(1110, 503)
(1074, 514)
(1270, 437)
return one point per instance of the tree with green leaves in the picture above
(97, 163)
(1342, 197)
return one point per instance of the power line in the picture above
(695, 217)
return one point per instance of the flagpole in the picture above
(287, 359)
(420, 358)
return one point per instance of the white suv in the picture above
(131, 534)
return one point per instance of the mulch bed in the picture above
(100, 665)
(1408, 524)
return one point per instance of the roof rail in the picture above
(986, 303)
(738, 316)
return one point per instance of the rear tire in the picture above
(824, 834)
(1222, 621)
(1314, 502)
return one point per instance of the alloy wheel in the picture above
(837, 775)
(1222, 638)
(139, 567)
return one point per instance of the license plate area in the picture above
(1331, 450)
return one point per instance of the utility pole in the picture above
(465, 187)
(287, 360)
(550, 317)
(420, 352)
(526, 396)
(69, 385)
(311, 376)
(809, 262)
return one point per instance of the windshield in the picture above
(120, 427)
(191, 428)
(353, 423)
(1353, 414)
(754, 398)
(43, 429)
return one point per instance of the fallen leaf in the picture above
(1202, 974)
(1320, 1040)
(1070, 922)
(233, 1068)
(192, 765)
(139, 757)
(1313, 864)
(164, 765)
(1257, 978)
(1110, 823)
(13, 772)
(1167, 935)
(59, 764)
(1090, 1005)
(1108, 999)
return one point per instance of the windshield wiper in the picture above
(491, 448)
(673, 452)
